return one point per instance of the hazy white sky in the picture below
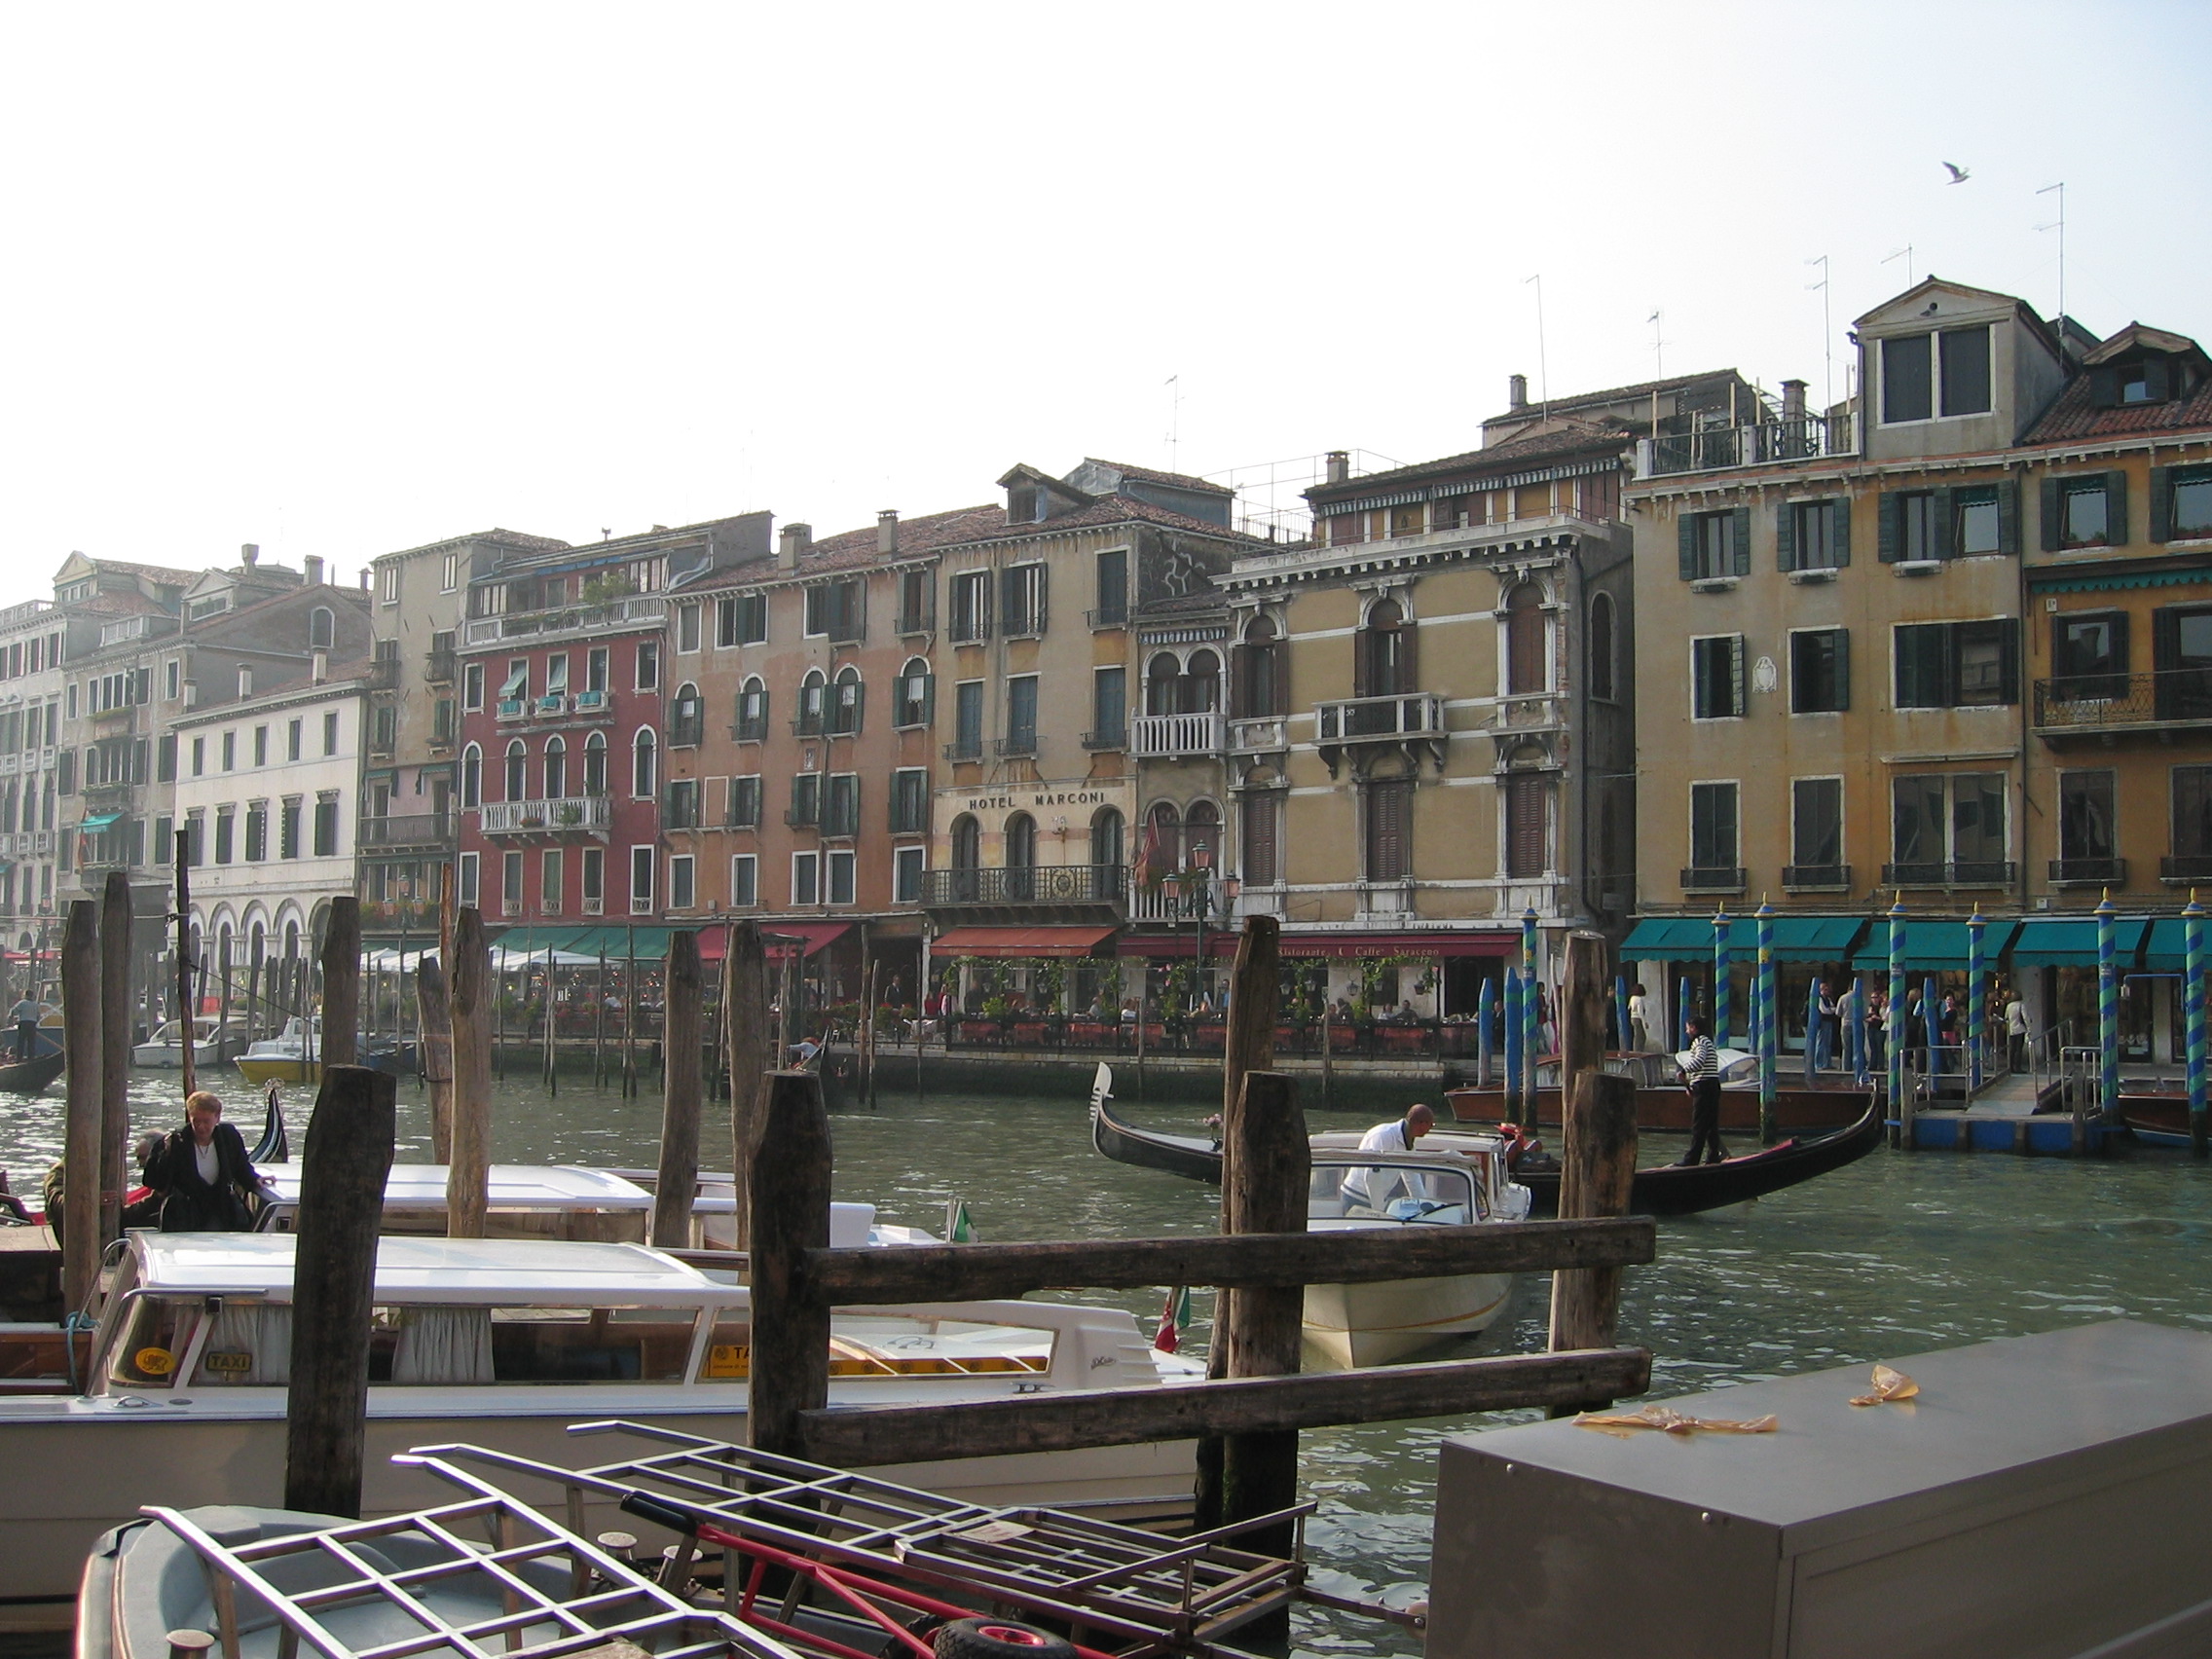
(341, 280)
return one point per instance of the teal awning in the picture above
(1689, 938)
(2071, 941)
(1668, 939)
(2115, 580)
(617, 943)
(530, 942)
(100, 821)
(1930, 947)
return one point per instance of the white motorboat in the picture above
(504, 1342)
(212, 1043)
(294, 1055)
(1460, 1186)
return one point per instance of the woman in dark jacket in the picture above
(201, 1173)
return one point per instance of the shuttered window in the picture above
(1716, 678)
(1389, 825)
(1525, 842)
(1525, 642)
(1260, 815)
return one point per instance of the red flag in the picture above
(1174, 1319)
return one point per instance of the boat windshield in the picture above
(1391, 1193)
(155, 1333)
(460, 1346)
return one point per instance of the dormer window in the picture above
(1025, 504)
(1946, 372)
(2147, 379)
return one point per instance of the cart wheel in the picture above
(998, 1638)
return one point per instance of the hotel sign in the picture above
(1035, 798)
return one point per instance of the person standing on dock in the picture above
(2016, 1031)
(1640, 1018)
(1701, 1076)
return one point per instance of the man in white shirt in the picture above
(1400, 1134)
(1640, 1019)
(1374, 1188)
(1700, 1074)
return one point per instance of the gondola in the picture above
(273, 1146)
(1668, 1190)
(28, 1077)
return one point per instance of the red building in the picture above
(563, 660)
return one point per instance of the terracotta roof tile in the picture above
(1120, 509)
(1153, 475)
(1561, 435)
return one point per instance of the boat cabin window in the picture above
(156, 1330)
(463, 1346)
(887, 1345)
(1391, 1193)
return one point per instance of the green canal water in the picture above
(1896, 1255)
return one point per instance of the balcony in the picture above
(2101, 705)
(382, 674)
(1116, 738)
(964, 749)
(400, 915)
(2186, 867)
(1107, 616)
(1815, 878)
(1977, 872)
(749, 731)
(439, 668)
(121, 717)
(1021, 745)
(2089, 872)
(412, 830)
(1354, 719)
(589, 814)
(1716, 449)
(1713, 878)
(635, 610)
(1032, 884)
(1168, 735)
(916, 622)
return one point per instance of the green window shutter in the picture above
(2161, 504)
(1738, 706)
(2166, 641)
(1785, 536)
(1946, 532)
(1686, 545)
(929, 699)
(1842, 638)
(1888, 525)
(2008, 517)
(2119, 655)
(2053, 529)
(2116, 508)
(2009, 661)
(1740, 540)
(1839, 532)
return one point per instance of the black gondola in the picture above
(274, 1146)
(28, 1077)
(1668, 1190)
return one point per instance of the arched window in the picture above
(845, 702)
(1259, 681)
(753, 710)
(1202, 835)
(1020, 856)
(813, 692)
(1160, 684)
(642, 768)
(515, 765)
(1202, 685)
(1525, 668)
(595, 763)
(1106, 849)
(323, 628)
(226, 945)
(910, 706)
(1602, 647)
(1162, 841)
(293, 940)
(260, 945)
(686, 717)
(966, 859)
(1386, 651)
(556, 768)
(472, 776)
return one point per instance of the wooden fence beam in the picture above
(863, 1436)
(970, 1272)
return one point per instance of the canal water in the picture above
(1897, 1254)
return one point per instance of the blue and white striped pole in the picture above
(1855, 1028)
(1893, 1023)
(1512, 1046)
(1532, 1028)
(1812, 1029)
(2193, 1020)
(1620, 1015)
(1931, 1025)
(1720, 967)
(1486, 1013)
(2108, 1007)
(1763, 999)
(1977, 972)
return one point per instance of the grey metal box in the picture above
(2043, 1495)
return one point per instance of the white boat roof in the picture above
(479, 1271)
(512, 1187)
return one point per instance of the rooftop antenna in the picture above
(2059, 225)
(1174, 422)
(1543, 367)
(1904, 253)
(1828, 334)
(1658, 348)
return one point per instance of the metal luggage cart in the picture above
(1120, 1590)
(484, 1577)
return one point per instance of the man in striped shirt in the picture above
(1701, 1076)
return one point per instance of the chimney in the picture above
(1340, 466)
(322, 671)
(792, 544)
(1517, 392)
(1792, 401)
(245, 679)
(886, 531)
(251, 554)
(313, 563)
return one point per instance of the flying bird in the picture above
(1959, 174)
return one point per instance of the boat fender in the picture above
(998, 1638)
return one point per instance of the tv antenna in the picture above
(1174, 385)
(1658, 346)
(1904, 253)
(2059, 225)
(1828, 334)
(1543, 367)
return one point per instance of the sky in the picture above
(345, 279)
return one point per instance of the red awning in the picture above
(1019, 942)
(782, 939)
(1222, 943)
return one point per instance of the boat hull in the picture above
(1666, 1110)
(1350, 1325)
(263, 1071)
(28, 1077)
(78, 1467)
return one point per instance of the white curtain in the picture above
(261, 1329)
(444, 1345)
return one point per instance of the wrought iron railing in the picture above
(1808, 878)
(1966, 872)
(410, 829)
(1798, 437)
(1028, 884)
(1406, 713)
(2107, 702)
(1714, 878)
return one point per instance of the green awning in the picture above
(532, 941)
(100, 821)
(1930, 947)
(2116, 581)
(1689, 938)
(1668, 939)
(616, 944)
(2071, 941)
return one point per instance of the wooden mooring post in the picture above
(681, 1087)
(187, 1010)
(342, 1180)
(114, 1164)
(789, 1371)
(81, 1058)
(469, 1168)
(434, 1035)
(341, 984)
(746, 1029)
(1598, 1151)
(1267, 1174)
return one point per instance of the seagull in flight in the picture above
(1959, 174)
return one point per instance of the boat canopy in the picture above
(512, 1186)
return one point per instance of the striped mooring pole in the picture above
(1532, 1005)
(1764, 994)
(1620, 1012)
(1893, 1022)
(2108, 1009)
(2192, 1016)
(1485, 1016)
(1976, 972)
(1855, 1028)
(1512, 1048)
(1720, 986)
